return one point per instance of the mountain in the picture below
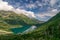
(50, 30)
(9, 19)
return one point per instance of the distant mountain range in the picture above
(50, 30)
(9, 19)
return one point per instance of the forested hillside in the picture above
(48, 31)
(9, 19)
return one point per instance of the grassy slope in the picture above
(9, 19)
(48, 31)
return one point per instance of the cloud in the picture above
(38, 3)
(52, 2)
(49, 13)
(5, 6)
(45, 16)
(27, 13)
(31, 6)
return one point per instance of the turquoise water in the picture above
(19, 30)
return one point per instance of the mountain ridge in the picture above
(9, 19)
(50, 30)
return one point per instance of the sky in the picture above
(39, 9)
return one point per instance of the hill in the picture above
(50, 30)
(9, 19)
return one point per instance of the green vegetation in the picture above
(50, 30)
(9, 19)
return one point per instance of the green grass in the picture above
(50, 30)
(9, 19)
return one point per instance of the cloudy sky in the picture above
(39, 9)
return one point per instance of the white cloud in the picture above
(52, 2)
(49, 13)
(38, 3)
(54, 10)
(5, 6)
(31, 6)
(27, 13)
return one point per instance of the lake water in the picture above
(22, 29)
